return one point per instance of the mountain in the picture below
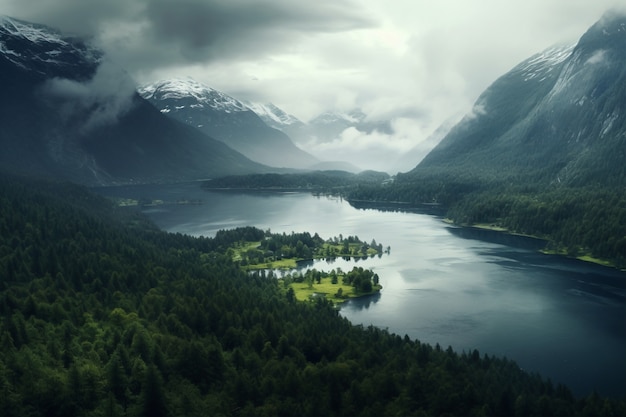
(274, 116)
(329, 125)
(227, 119)
(543, 153)
(67, 112)
(557, 117)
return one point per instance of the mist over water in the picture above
(464, 288)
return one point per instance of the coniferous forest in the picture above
(586, 220)
(103, 314)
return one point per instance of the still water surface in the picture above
(458, 287)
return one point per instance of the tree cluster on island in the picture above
(336, 285)
(276, 250)
(103, 314)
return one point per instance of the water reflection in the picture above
(500, 238)
(361, 303)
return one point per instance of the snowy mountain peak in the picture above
(272, 115)
(29, 31)
(46, 51)
(195, 93)
(353, 117)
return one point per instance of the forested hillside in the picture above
(541, 153)
(577, 221)
(102, 314)
(331, 181)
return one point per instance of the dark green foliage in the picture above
(577, 220)
(320, 181)
(134, 321)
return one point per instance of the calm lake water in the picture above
(458, 287)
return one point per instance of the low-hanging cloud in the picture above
(377, 150)
(100, 101)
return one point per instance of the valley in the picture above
(463, 287)
(191, 276)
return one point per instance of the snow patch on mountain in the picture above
(188, 88)
(540, 65)
(354, 117)
(33, 33)
(273, 115)
(36, 47)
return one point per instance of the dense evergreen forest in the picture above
(587, 220)
(102, 314)
(320, 181)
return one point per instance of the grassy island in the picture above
(259, 250)
(335, 285)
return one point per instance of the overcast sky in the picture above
(415, 62)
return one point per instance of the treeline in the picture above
(296, 245)
(579, 221)
(320, 181)
(102, 314)
(588, 220)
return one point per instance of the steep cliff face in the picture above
(559, 116)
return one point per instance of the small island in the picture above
(335, 285)
(285, 251)
(257, 250)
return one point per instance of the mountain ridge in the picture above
(227, 119)
(67, 112)
(542, 118)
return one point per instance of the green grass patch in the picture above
(305, 292)
(586, 257)
(589, 258)
(491, 226)
(242, 247)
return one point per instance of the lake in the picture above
(459, 287)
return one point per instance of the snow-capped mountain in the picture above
(330, 117)
(274, 116)
(557, 117)
(327, 126)
(43, 50)
(68, 112)
(188, 92)
(227, 119)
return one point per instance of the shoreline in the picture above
(557, 252)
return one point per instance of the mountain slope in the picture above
(66, 112)
(543, 153)
(274, 117)
(227, 119)
(558, 117)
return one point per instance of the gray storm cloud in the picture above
(148, 33)
(102, 100)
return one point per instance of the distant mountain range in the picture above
(326, 128)
(66, 112)
(557, 117)
(229, 120)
